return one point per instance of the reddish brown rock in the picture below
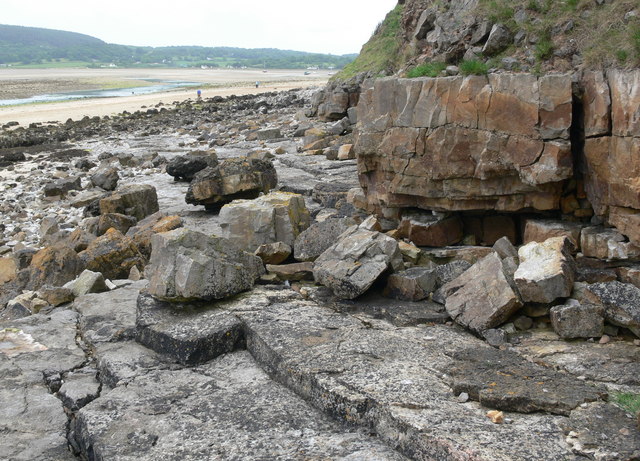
(596, 103)
(151, 225)
(539, 230)
(54, 266)
(113, 255)
(465, 143)
(427, 230)
(8, 270)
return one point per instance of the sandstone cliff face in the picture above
(497, 142)
(612, 147)
(502, 143)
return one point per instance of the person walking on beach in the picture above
(199, 94)
(257, 84)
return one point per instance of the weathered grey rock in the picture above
(428, 230)
(602, 431)
(499, 39)
(350, 266)
(110, 316)
(312, 242)
(546, 271)
(495, 337)
(62, 186)
(227, 409)
(505, 249)
(273, 253)
(328, 194)
(105, 177)
(236, 178)
(275, 217)
(269, 133)
(158, 222)
(33, 420)
(577, 320)
(79, 388)
(505, 381)
(292, 272)
(187, 265)
(413, 284)
(137, 200)
(621, 303)
(185, 167)
(482, 297)
(87, 282)
(56, 296)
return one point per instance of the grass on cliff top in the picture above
(605, 35)
(380, 53)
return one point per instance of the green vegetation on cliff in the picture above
(36, 47)
(381, 52)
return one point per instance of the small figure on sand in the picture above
(199, 94)
(257, 84)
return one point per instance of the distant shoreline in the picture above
(212, 83)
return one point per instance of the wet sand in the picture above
(31, 82)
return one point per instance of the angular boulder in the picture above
(276, 217)
(598, 242)
(621, 302)
(54, 266)
(187, 265)
(413, 284)
(120, 222)
(539, 230)
(137, 200)
(482, 297)
(62, 186)
(185, 167)
(312, 242)
(273, 253)
(236, 178)
(113, 254)
(576, 320)
(431, 231)
(546, 271)
(356, 261)
(158, 222)
(106, 177)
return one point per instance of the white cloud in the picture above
(328, 26)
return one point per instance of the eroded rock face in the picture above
(465, 143)
(187, 265)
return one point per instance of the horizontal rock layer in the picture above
(497, 142)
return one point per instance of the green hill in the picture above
(31, 46)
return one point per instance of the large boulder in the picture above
(312, 242)
(621, 302)
(482, 297)
(236, 178)
(546, 271)
(185, 167)
(187, 265)
(137, 200)
(577, 320)
(54, 266)
(113, 254)
(276, 217)
(61, 187)
(106, 177)
(117, 221)
(356, 261)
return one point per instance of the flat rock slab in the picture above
(190, 333)
(602, 431)
(227, 409)
(505, 381)
(32, 420)
(110, 316)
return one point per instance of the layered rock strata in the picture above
(497, 142)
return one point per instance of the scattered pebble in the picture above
(496, 417)
(463, 397)
(605, 339)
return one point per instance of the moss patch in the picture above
(627, 401)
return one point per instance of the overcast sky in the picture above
(325, 26)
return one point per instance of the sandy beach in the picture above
(224, 82)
